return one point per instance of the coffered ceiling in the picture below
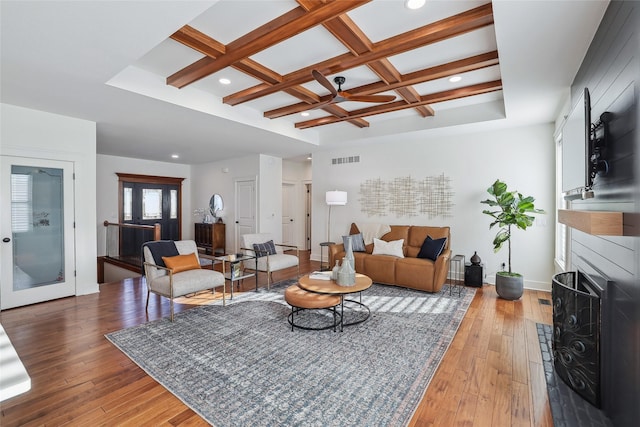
(378, 59)
(149, 72)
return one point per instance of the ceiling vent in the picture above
(344, 160)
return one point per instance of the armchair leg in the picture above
(148, 293)
(171, 304)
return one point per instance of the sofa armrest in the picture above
(442, 268)
(334, 250)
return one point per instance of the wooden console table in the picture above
(211, 237)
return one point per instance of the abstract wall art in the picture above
(407, 197)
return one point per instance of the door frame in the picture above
(149, 179)
(10, 298)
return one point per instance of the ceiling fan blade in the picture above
(367, 98)
(324, 82)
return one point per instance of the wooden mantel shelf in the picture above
(593, 222)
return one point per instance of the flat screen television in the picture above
(576, 150)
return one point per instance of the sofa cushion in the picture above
(380, 268)
(419, 233)
(393, 248)
(416, 273)
(188, 282)
(265, 248)
(357, 242)
(432, 248)
(180, 263)
(276, 262)
(397, 232)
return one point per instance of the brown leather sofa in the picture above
(411, 272)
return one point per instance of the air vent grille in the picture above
(345, 160)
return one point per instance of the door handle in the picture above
(6, 240)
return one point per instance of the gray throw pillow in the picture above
(266, 248)
(357, 242)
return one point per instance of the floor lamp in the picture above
(334, 198)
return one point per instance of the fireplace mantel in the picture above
(599, 223)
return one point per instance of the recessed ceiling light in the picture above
(455, 79)
(175, 156)
(304, 114)
(224, 81)
(414, 4)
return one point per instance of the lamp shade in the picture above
(336, 198)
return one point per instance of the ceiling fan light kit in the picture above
(340, 95)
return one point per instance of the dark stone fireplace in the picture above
(577, 333)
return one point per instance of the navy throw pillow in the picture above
(161, 248)
(431, 248)
(357, 242)
(266, 248)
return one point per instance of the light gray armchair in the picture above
(171, 284)
(269, 262)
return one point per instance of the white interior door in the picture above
(289, 235)
(245, 209)
(36, 226)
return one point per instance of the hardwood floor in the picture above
(490, 376)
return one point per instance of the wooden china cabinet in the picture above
(211, 237)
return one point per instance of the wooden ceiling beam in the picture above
(206, 45)
(389, 107)
(438, 31)
(411, 96)
(456, 67)
(460, 66)
(197, 40)
(350, 35)
(279, 29)
(341, 112)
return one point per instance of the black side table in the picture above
(473, 275)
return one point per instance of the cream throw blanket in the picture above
(373, 230)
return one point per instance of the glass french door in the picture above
(36, 224)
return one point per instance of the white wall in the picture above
(298, 174)
(271, 172)
(107, 190)
(522, 157)
(37, 134)
(270, 196)
(219, 177)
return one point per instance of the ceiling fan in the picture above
(339, 95)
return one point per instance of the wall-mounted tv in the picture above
(583, 148)
(575, 142)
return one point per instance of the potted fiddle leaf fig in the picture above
(510, 209)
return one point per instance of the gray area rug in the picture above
(241, 365)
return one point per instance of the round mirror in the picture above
(216, 204)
